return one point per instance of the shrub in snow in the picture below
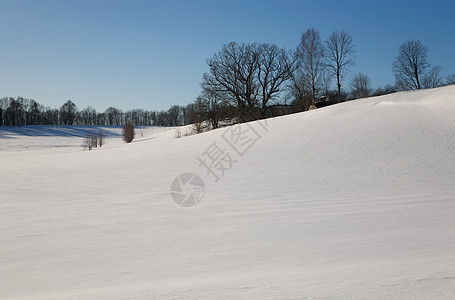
(128, 132)
(90, 141)
(178, 134)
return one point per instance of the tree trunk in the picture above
(339, 89)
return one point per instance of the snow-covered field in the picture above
(70, 137)
(355, 200)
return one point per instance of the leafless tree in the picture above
(339, 52)
(232, 71)
(94, 140)
(326, 80)
(310, 53)
(200, 106)
(68, 113)
(299, 90)
(90, 141)
(360, 86)
(174, 115)
(275, 68)
(248, 76)
(450, 79)
(14, 115)
(128, 132)
(87, 116)
(432, 78)
(211, 105)
(410, 65)
(100, 138)
(113, 116)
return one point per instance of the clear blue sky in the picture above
(151, 54)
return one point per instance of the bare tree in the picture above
(410, 65)
(113, 116)
(248, 76)
(450, 79)
(339, 52)
(326, 80)
(87, 116)
(175, 115)
(432, 78)
(94, 140)
(14, 114)
(275, 68)
(200, 109)
(68, 113)
(100, 138)
(33, 113)
(211, 105)
(299, 90)
(232, 71)
(360, 86)
(310, 53)
(128, 132)
(90, 141)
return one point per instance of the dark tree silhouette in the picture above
(410, 65)
(68, 113)
(233, 71)
(339, 52)
(310, 54)
(275, 68)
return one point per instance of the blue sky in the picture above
(151, 54)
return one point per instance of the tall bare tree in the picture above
(339, 52)
(275, 67)
(360, 86)
(310, 53)
(233, 71)
(248, 76)
(299, 90)
(410, 65)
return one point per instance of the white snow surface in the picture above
(355, 200)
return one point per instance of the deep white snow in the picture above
(355, 200)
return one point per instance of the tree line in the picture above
(21, 111)
(251, 81)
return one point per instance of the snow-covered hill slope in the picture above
(355, 200)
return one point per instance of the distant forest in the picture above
(253, 81)
(20, 112)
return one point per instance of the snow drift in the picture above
(355, 200)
